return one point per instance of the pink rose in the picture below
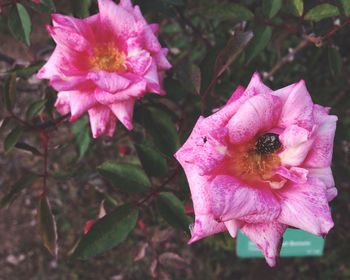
(261, 164)
(103, 63)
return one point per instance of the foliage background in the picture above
(291, 42)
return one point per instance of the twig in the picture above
(286, 59)
(157, 190)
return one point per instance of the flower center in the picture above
(108, 58)
(255, 161)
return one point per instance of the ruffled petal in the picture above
(233, 226)
(267, 237)
(100, 120)
(68, 38)
(297, 143)
(326, 176)
(124, 111)
(237, 93)
(230, 199)
(204, 226)
(62, 83)
(321, 152)
(298, 107)
(80, 102)
(116, 18)
(138, 61)
(202, 149)
(294, 174)
(257, 114)
(305, 206)
(152, 78)
(161, 60)
(62, 103)
(110, 82)
(52, 66)
(135, 90)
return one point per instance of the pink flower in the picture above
(261, 164)
(103, 63)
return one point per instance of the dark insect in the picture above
(267, 143)
(205, 139)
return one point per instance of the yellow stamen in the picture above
(249, 166)
(108, 58)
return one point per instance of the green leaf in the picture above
(128, 177)
(24, 182)
(296, 7)
(81, 8)
(12, 138)
(83, 138)
(189, 75)
(335, 61)
(35, 108)
(108, 232)
(321, 12)
(26, 71)
(172, 210)
(161, 127)
(271, 7)
(10, 92)
(262, 37)
(152, 161)
(47, 225)
(227, 11)
(19, 23)
(228, 55)
(346, 6)
(29, 148)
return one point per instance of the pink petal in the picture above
(62, 83)
(62, 103)
(233, 226)
(80, 26)
(230, 199)
(110, 82)
(154, 27)
(294, 174)
(267, 237)
(80, 102)
(124, 111)
(257, 114)
(51, 67)
(204, 226)
(238, 92)
(110, 127)
(203, 149)
(68, 38)
(321, 152)
(150, 40)
(326, 176)
(298, 108)
(135, 90)
(161, 60)
(152, 78)
(138, 61)
(305, 206)
(100, 120)
(297, 143)
(116, 18)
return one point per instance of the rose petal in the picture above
(110, 82)
(257, 114)
(230, 199)
(80, 102)
(305, 206)
(326, 176)
(298, 108)
(100, 120)
(124, 111)
(267, 237)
